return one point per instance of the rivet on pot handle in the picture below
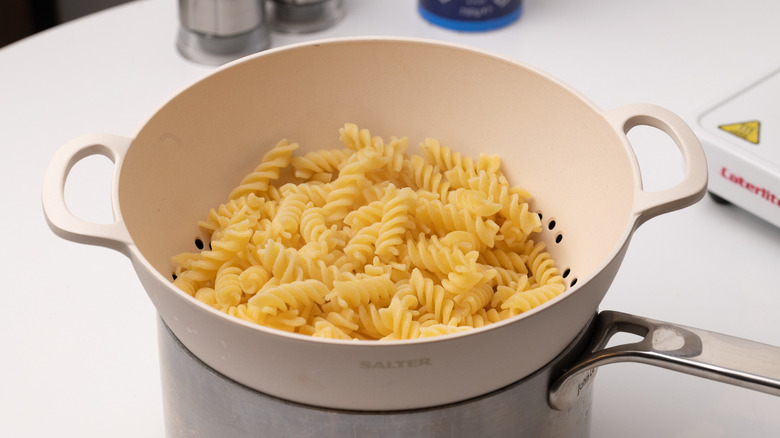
(59, 217)
(693, 185)
(679, 348)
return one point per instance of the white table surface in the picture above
(77, 332)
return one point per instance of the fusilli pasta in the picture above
(370, 242)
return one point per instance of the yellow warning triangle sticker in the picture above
(745, 130)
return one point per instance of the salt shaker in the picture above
(214, 32)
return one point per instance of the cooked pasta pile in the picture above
(371, 242)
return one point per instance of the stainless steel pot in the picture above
(198, 401)
(574, 157)
(553, 402)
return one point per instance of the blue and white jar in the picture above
(471, 15)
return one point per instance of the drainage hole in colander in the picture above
(200, 245)
(566, 273)
(551, 224)
(558, 238)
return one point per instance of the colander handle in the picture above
(693, 185)
(59, 217)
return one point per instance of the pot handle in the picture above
(59, 217)
(689, 350)
(693, 185)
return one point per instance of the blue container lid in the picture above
(469, 25)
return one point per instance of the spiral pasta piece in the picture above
(399, 317)
(360, 249)
(444, 218)
(446, 159)
(521, 222)
(315, 193)
(354, 138)
(326, 329)
(542, 266)
(366, 215)
(228, 287)
(288, 218)
(428, 177)
(280, 262)
(314, 229)
(347, 187)
(436, 301)
(297, 294)
(523, 301)
(324, 161)
(361, 291)
(230, 247)
(370, 322)
(474, 201)
(249, 207)
(434, 257)
(393, 222)
(252, 279)
(441, 330)
(274, 160)
(474, 299)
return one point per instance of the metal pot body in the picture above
(199, 401)
(572, 156)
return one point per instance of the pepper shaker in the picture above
(304, 16)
